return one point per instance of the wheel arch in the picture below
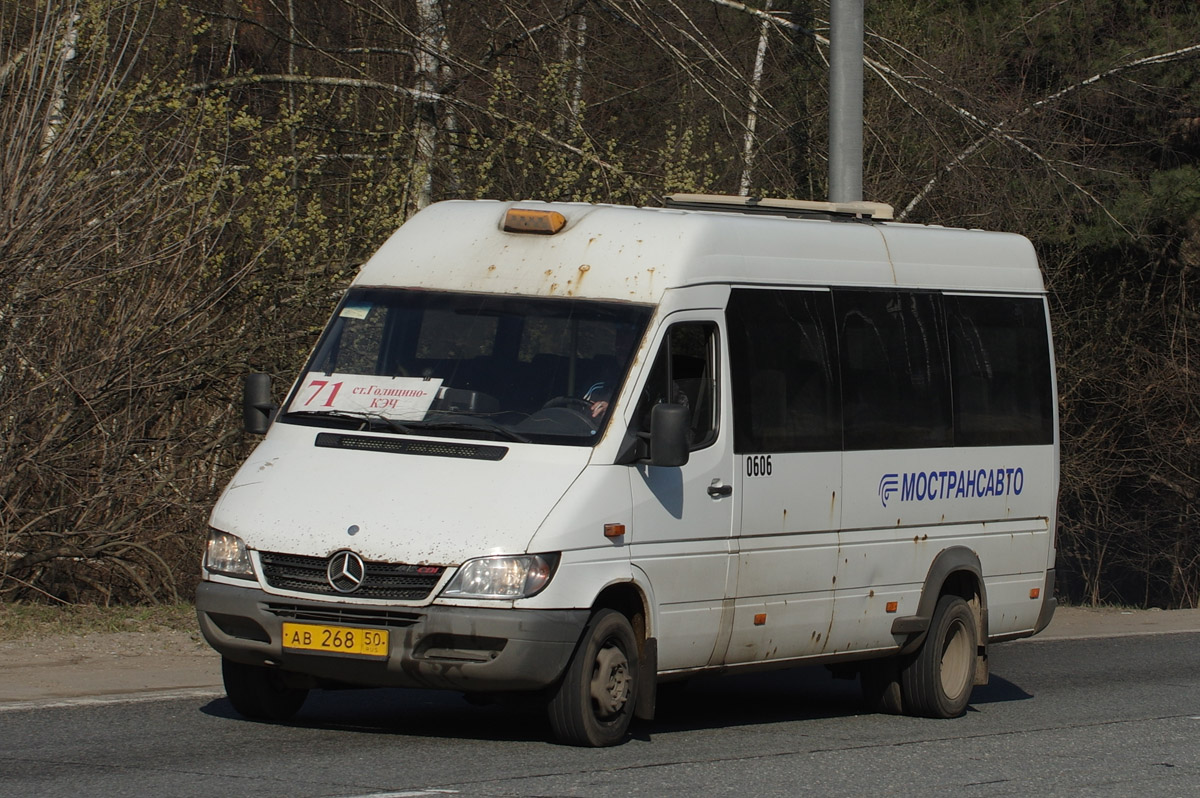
(954, 571)
(629, 600)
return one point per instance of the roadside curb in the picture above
(1076, 623)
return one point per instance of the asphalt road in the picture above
(1094, 717)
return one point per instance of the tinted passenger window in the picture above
(1000, 358)
(895, 389)
(685, 372)
(783, 363)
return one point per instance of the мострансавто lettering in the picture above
(970, 483)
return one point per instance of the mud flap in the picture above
(982, 670)
(647, 689)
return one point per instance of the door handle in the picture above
(717, 490)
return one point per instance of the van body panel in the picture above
(787, 554)
(877, 566)
(924, 487)
(636, 254)
(999, 262)
(292, 496)
(599, 498)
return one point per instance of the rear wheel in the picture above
(594, 703)
(937, 683)
(260, 693)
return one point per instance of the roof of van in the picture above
(635, 254)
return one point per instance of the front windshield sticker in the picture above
(391, 397)
(356, 311)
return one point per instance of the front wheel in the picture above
(594, 703)
(260, 693)
(937, 682)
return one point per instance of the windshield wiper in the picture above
(371, 420)
(475, 424)
(377, 421)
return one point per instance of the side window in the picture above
(685, 372)
(895, 385)
(783, 364)
(1000, 359)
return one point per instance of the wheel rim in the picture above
(957, 655)
(610, 683)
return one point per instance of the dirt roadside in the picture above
(40, 671)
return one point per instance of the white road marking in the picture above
(408, 794)
(120, 698)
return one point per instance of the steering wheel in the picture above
(581, 406)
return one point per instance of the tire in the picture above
(595, 701)
(260, 693)
(880, 682)
(937, 683)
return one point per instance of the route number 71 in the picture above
(320, 386)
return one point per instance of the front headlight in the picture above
(227, 555)
(502, 577)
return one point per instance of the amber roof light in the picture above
(523, 220)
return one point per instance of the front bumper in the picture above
(458, 648)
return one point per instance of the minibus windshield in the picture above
(497, 367)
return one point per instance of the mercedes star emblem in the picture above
(346, 571)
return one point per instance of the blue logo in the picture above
(970, 483)
(888, 485)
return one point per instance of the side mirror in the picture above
(669, 435)
(257, 407)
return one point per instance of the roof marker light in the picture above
(523, 220)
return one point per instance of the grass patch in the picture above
(18, 620)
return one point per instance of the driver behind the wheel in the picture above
(598, 396)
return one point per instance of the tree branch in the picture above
(995, 130)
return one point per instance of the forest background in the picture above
(187, 186)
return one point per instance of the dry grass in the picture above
(22, 620)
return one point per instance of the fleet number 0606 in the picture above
(758, 465)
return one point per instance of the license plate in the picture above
(335, 639)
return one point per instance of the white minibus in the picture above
(574, 451)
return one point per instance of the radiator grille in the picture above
(383, 580)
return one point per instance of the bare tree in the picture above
(748, 144)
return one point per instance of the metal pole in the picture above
(845, 100)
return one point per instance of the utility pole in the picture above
(845, 100)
